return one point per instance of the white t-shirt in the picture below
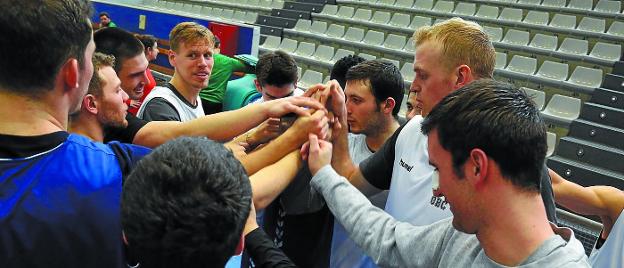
(611, 254)
(186, 112)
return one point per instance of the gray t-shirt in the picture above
(392, 243)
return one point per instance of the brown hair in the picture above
(189, 33)
(100, 61)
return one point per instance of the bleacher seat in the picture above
(419, 21)
(324, 53)
(606, 51)
(511, 14)
(367, 56)
(400, 20)
(608, 6)
(516, 37)
(464, 8)
(581, 4)
(530, 2)
(305, 49)
(373, 38)
(271, 42)
(551, 141)
(616, 28)
(548, 42)
(574, 46)
(345, 12)
(536, 17)
(443, 6)
(408, 72)
(381, 17)
(330, 10)
(501, 60)
(423, 4)
(538, 97)
(584, 76)
(495, 33)
(563, 21)
(341, 53)
(553, 70)
(490, 12)
(394, 62)
(310, 78)
(354, 34)
(303, 25)
(386, 2)
(562, 109)
(288, 45)
(335, 31)
(393, 41)
(363, 14)
(319, 27)
(409, 45)
(554, 3)
(404, 3)
(522, 65)
(592, 25)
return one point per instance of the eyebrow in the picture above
(288, 95)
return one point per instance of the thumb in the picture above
(314, 143)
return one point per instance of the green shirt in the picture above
(222, 69)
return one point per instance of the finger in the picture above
(304, 150)
(313, 89)
(314, 143)
(325, 132)
(273, 121)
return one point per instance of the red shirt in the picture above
(148, 88)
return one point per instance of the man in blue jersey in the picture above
(60, 191)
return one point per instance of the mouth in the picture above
(202, 75)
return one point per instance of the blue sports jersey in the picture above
(61, 207)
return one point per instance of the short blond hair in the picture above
(100, 61)
(463, 42)
(189, 33)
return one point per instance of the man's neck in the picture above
(88, 126)
(375, 141)
(514, 228)
(189, 93)
(23, 116)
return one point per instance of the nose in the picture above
(124, 96)
(145, 79)
(414, 86)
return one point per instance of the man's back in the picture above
(60, 201)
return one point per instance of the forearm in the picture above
(273, 151)
(270, 181)
(341, 159)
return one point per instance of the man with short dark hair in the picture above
(105, 21)
(60, 191)
(413, 108)
(276, 76)
(487, 168)
(342, 66)
(185, 205)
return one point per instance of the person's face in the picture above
(456, 190)
(432, 81)
(363, 113)
(270, 92)
(193, 63)
(86, 72)
(133, 76)
(104, 20)
(111, 105)
(151, 52)
(413, 107)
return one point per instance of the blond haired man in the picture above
(191, 56)
(449, 55)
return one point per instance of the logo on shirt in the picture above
(405, 165)
(439, 202)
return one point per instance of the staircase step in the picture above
(614, 82)
(598, 133)
(603, 115)
(584, 174)
(592, 153)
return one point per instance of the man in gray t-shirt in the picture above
(487, 144)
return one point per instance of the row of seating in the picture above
(509, 17)
(224, 14)
(603, 8)
(561, 110)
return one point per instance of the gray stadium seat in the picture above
(393, 41)
(516, 37)
(227, 14)
(418, 21)
(586, 76)
(501, 60)
(394, 62)
(319, 27)
(330, 10)
(522, 64)
(251, 17)
(324, 53)
(239, 15)
(386, 2)
(490, 12)
(303, 25)
(551, 142)
(335, 31)
(543, 41)
(404, 3)
(305, 49)
(400, 20)
(409, 45)
(381, 17)
(607, 51)
(299, 71)
(530, 2)
(592, 25)
(553, 70)
(363, 14)
(495, 33)
(562, 109)
(554, 3)
(345, 12)
(367, 56)
(354, 34)
(288, 45)
(207, 11)
(563, 21)
(310, 78)
(341, 53)
(423, 4)
(271, 42)
(536, 17)
(511, 14)
(608, 6)
(464, 8)
(581, 4)
(373, 38)
(538, 96)
(277, 4)
(408, 71)
(574, 46)
(616, 28)
(444, 6)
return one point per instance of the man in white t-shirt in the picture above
(191, 56)
(603, 201)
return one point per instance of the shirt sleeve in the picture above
(127, 156)
(377, 168)
(125, 135)
(263, 252)
(389, 242)
(159, 109)
(237, 65)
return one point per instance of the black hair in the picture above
(217, 41)
(34, 49)
(497, 118)
(185, 205)
(119, 43)
(104, 13)
(384, 78)
(340, 68)
(276, 68)
(147, 40)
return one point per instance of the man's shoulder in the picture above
(411, 132)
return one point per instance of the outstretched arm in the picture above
(270, 181)
(604, 201)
